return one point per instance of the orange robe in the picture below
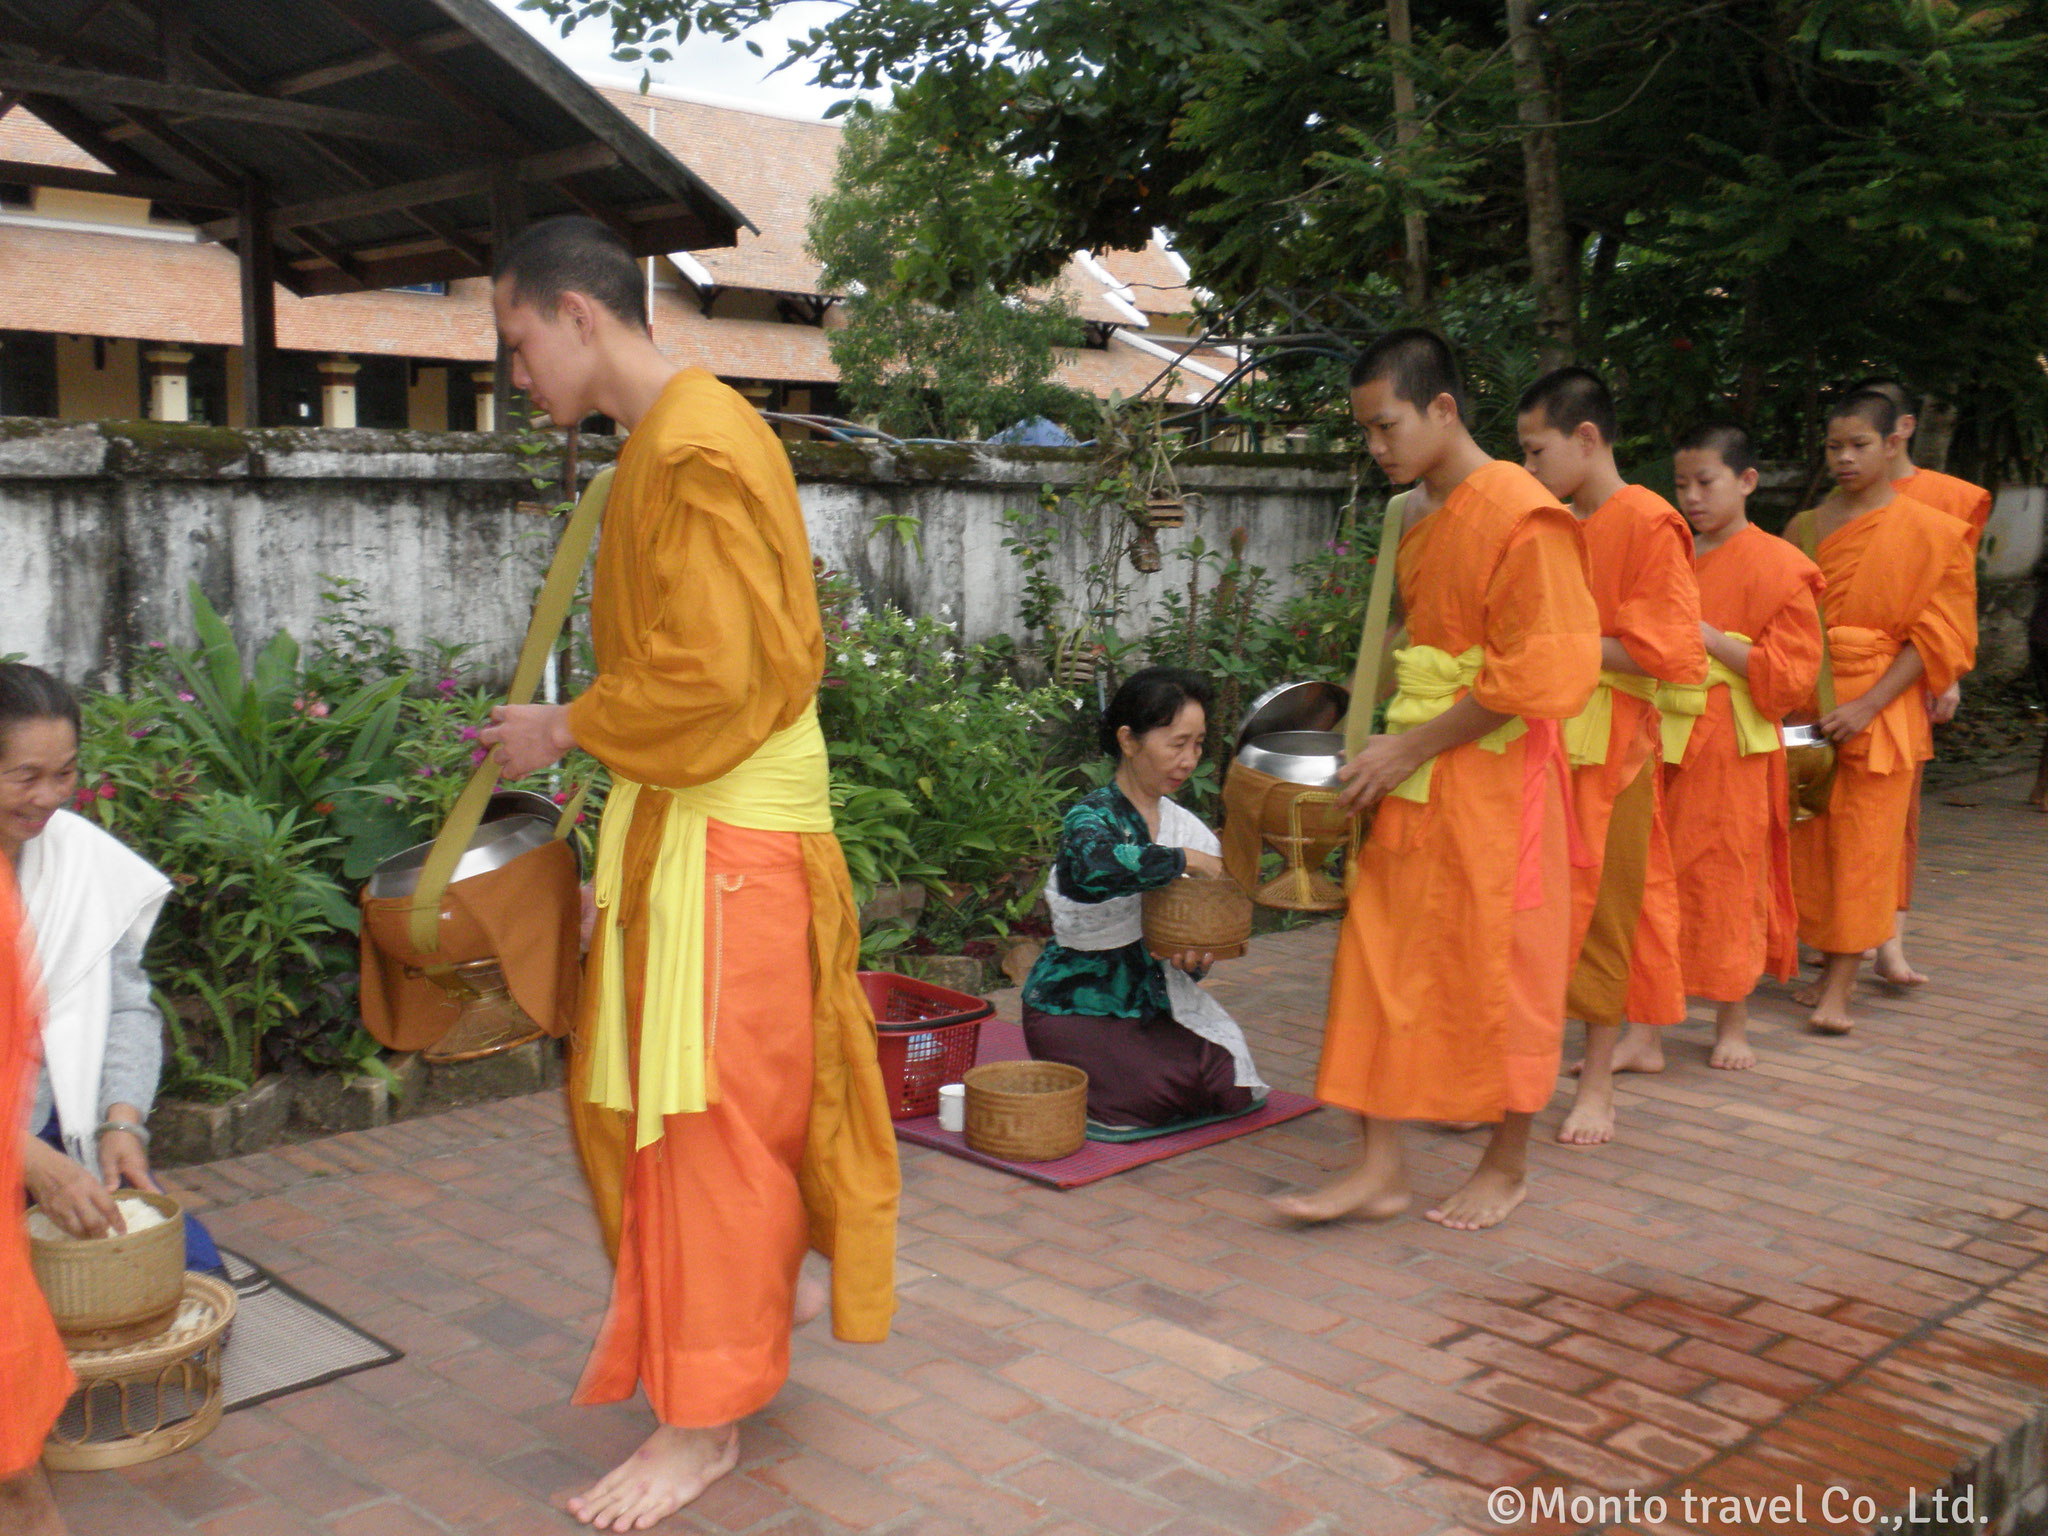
(705, 621)
(1625, 904)
(1730, 815)
(1447, 997)
(1899, 575)
(35, 1373)
(1972, 504)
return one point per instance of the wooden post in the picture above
(261, 405)
(508, 216)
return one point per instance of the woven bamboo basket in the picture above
(141, 1401)
(1027, 1111)
(109, 1291)
(1201, 913)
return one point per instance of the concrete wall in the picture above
(106, 523)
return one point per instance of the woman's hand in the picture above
(67, 1193)
(124, 1161)
(1206, 865)
(1195, 962)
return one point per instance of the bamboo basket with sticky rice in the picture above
(1199, 914)
(117, 1288)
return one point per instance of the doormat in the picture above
(1003, 1041)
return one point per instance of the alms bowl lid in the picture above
(1296, 706)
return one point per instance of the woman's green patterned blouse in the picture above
(1105, 851)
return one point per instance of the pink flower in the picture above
(446, 687)
(425, 770)
(106, 791)
(561, 797)
(479, 754)
(156, 645)
(470, 732)
(187, 698)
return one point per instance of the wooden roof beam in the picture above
(438, 80)
(359, 64)
(158, 189)
(93, 86)
(551, 166)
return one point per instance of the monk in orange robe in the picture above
(1625, 904)
(35, 1375)
(1447, 997)
(1726, 793)
(1901, 624)
(724, 1090)
(1971, 504)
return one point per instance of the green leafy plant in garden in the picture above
(240, 935)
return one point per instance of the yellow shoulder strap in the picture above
(550, 612)
(1824, 685)
(1379, 604)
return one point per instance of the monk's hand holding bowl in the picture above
(1847, 720)
(528, 737)
(1382, 763)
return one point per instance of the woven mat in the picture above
(280, 1341)
(1003, 1041)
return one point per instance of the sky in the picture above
(704, 65)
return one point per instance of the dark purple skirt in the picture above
(1141, 1072)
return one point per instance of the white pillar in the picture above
(485, 380)
(170, 384)
(338, 391)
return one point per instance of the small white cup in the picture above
(953, 1107)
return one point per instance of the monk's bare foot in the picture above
(670, 1469)
(1807, 997)
(813, 1296)
(1732, 1050)
(1591, 1120)
(1363, 1192)
(1641, 1049)
(1892, 967)
(1831, 1018)
(1485, 1200)
(28, 1508)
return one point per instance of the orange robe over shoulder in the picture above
(1972, 504)
(1447, 996)
(705, 620)
(1730, 815)
(35, 1373)
(1899, 575)
(1640, 552)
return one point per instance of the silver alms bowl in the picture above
(1298, 757)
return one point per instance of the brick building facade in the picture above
(113, 312)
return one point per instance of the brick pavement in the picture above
(1827, 1271)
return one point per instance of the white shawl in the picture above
(1112, 924)
(83, 892)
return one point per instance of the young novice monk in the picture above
(1447, 997)
(1901, 624)
(1625, 905)
(723, 1085)
(1726, 796)
(1971, 504)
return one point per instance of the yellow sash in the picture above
(1680, 704)
(783, 787)
(1586, 734)
(1428, 681)
(1753, 733)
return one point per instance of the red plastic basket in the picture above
(925, 1036)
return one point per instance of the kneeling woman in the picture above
(1157, 1048)
(90, 904)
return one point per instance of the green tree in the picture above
(949, 364)
(1729, 205)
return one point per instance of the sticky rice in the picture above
(138, 1213)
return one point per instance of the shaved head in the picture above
(1418, 363)
(573, 254)
(1571, 397)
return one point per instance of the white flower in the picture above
(868, 658)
